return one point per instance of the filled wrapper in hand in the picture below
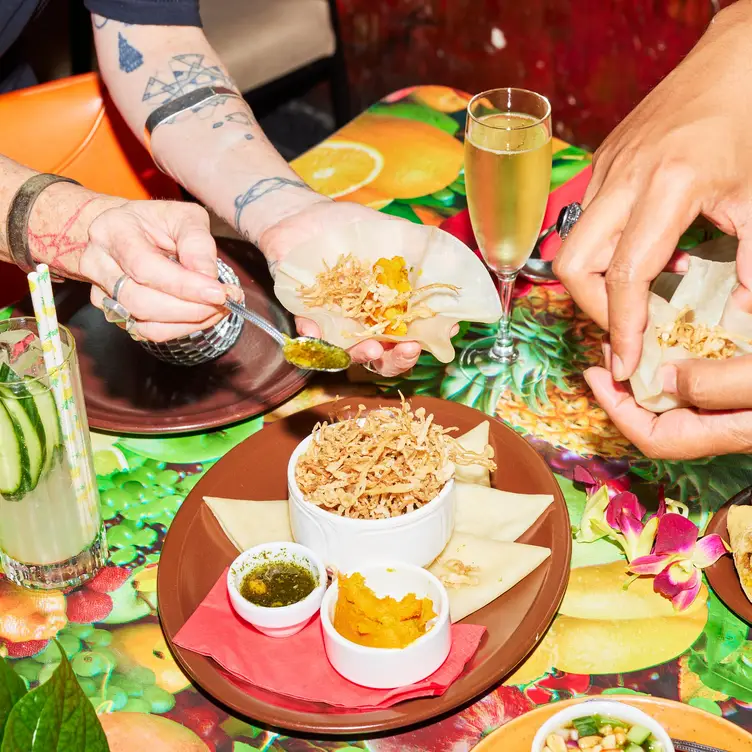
(700, 320)
(387, 280)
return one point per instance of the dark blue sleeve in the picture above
(148, 12)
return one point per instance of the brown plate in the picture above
(722, 575)
(681, 721)
(127, 390)
(196, 552)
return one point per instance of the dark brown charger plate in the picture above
(196, 552)
(722, 575)
(127, 390)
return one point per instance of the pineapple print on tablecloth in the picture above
(557, 342)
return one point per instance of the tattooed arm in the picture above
(96, 238)
(59, 222)
(216, 151)
(219, 153)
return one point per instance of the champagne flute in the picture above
(507, 178)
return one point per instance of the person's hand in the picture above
(720, 421)
(387, 358)
(140, 239)
(685, 150)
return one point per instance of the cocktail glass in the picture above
(51, 531)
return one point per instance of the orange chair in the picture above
(70, 127)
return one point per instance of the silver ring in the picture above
(117, 289)
(368, 367)
(114, 312)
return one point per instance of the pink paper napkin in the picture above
(297, 666)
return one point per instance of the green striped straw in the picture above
(43, 301)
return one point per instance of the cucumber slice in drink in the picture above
(22, 408)
(12, 457)
(28, 431)
(47, 410)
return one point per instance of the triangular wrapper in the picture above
(251, 523)
(706, 289)
(739, 523)
(499, 515)
(500, 566)
(434, 257)
(476, 441)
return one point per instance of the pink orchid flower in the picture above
(594, 481)
(624, 515)
(678, 558)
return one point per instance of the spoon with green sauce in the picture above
(307, 353)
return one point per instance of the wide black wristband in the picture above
(17, 224)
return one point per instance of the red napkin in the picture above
(297, 666)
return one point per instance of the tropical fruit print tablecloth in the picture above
(404, 157)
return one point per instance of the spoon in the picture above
(683, 746)
(537, 269)
(302, 352)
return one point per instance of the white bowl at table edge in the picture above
(416, 537)
(610, 708)
(388, 668)
(282, 621)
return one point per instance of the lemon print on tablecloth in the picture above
(338, 168)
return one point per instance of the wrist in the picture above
(58, 229)
(260, 226)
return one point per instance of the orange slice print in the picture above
(338, 168)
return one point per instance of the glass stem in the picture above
(503, 349)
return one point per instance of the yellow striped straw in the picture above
(43, 301)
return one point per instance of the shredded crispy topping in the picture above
(458, 574)
(380, 297)
(707, 342)
(382, 463)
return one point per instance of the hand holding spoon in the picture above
(307, 353)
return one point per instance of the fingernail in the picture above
(618, 371)
(586, 374)
(670, 375)
(214, 295)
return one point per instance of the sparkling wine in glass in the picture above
(507, 177)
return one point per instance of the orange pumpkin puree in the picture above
(362, 617)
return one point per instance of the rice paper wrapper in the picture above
(706, 288)
(433, 255)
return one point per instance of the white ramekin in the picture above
(386, 668)
(417, 537)
(283, 621)
(609, 708)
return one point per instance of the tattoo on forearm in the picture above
(129, 57)
(187, 73)
(241, 118)
(55, 248)
(260, 189)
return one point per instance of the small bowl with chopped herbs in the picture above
(602, 725)
(277, 587)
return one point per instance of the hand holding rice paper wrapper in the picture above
(701, 321)
(388, 281)
(690, 395)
